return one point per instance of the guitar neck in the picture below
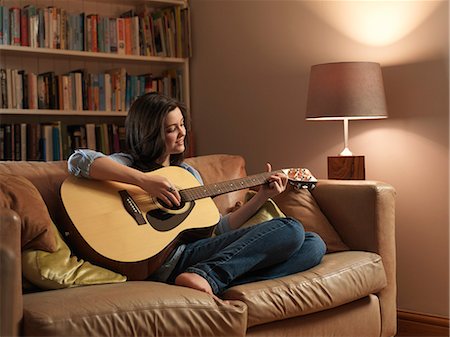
(216, 189)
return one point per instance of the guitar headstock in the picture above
(300, 178)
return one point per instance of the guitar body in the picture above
(121, 227)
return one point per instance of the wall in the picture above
(249, 79)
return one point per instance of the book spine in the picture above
(15, 26)
(41, 28)
(94, 33)
(113, 35)
(135, 41)
(1, 24)
(106, 35)
(3, 85)
(33, 26)
(2, 142)
(23, 141)
(8, 150)
(17, 142)
(128, 38)
(24, 38)
(120, 23)
(63, 30)
(6, 26)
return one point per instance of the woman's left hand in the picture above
(277, 184)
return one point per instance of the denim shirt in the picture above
(79, 164)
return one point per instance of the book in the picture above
(9, 142)
(1, 24)
(4, 90)
(2, 142)
(90, 136)
(5, 26)
(17, 139)
(24, 38)
(32, 91)
(47, 142)
(15, 18)
(33, 25)
(33, 140)
(112, 35)
(120, 25)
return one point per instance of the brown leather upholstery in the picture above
(350, 294)
(341, 278)
(363, 212)
(356, 319)
(140, 308)
(10, 273)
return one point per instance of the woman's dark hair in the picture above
(145, 132)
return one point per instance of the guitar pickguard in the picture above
(164, 220)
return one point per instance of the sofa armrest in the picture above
(11, 303)
(363, 213)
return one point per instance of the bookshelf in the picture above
(90, 78)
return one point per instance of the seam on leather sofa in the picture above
(255, 297)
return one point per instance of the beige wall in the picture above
(249, 79)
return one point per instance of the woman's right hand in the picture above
(161, 188)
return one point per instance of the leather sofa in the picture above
(351, 293)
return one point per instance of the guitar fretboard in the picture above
(212, 190)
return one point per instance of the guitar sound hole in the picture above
(173, 207)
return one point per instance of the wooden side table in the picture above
(346, 167)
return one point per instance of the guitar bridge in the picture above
(131, 207)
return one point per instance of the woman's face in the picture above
(175, 132)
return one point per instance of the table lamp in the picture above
(346, 91)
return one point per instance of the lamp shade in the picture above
(346, 90)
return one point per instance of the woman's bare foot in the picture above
(194, 281)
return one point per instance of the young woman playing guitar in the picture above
(156, 137)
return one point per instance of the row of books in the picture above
(154, 32)
(113, 90)
(56, 141)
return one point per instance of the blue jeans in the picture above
(272, 249)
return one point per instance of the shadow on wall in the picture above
(419, 91)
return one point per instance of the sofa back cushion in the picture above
(218, 168)
(20, 195)
(46, 176)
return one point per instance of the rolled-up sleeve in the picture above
(79, 163)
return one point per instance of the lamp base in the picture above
(346, 167)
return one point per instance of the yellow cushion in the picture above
(267, 212)
(61, 269)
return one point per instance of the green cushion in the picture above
(269, 210)
(61, 269)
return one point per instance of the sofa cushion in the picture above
(131, 309)
(62, 269)
(341, 278)
(20, 195)
(47, 261)
(46, 176)
(301, 205)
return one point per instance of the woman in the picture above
(156, 137)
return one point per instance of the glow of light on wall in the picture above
(372, 22)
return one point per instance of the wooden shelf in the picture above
(152, 3)
(47, 112)
(19, 50)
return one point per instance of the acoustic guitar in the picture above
(119, 224)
